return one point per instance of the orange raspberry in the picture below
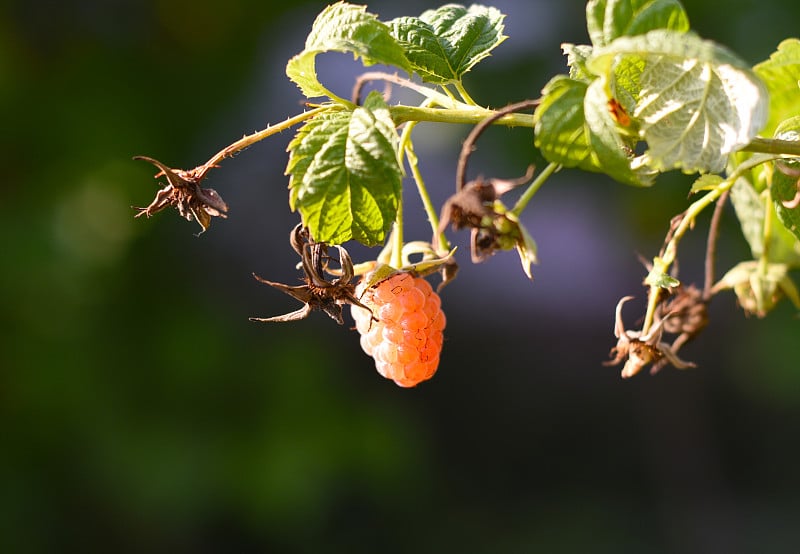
(403, 333)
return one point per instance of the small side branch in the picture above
(477, 131)
(711, 245)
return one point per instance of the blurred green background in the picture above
(140, 410)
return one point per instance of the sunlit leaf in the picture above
(445, 43)
(697, 102)
(577, 55)
(348, 28)
(560, 131)
(610, 19)
(781, 74)
(574, 127)
(345, 179)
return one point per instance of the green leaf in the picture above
(559, 125)
(626, 83)
(614, 150)
(443, 44)
(785, 192)
(751, 207)
(610, 19)
(696, 102)
(785, 189)
(347, 28)
(574, 128)
(781, 74)
(345, 179)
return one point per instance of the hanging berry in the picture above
(402, 329)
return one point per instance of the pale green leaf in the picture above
(347, 28)
(345, 179)
(625, 85)
(697, 103)
(781, 74)
(610, 19)
(577, 55)
(443, 44)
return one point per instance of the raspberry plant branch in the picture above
(773, 146)
(469, 143)
(465, 116)
(657, 279)
(646, 96)
(249, 140)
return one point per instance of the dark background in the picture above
(140, 410)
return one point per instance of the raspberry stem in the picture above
(249, 140)
(407, 148)
(534, 187)
(397, 237)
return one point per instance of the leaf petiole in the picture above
(464, 94)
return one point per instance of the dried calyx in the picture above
(183, 191)
(477, 206)
(637, 349)
(317, 292)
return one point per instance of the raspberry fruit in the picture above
(403, 333)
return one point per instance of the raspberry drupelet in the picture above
(404, 331)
